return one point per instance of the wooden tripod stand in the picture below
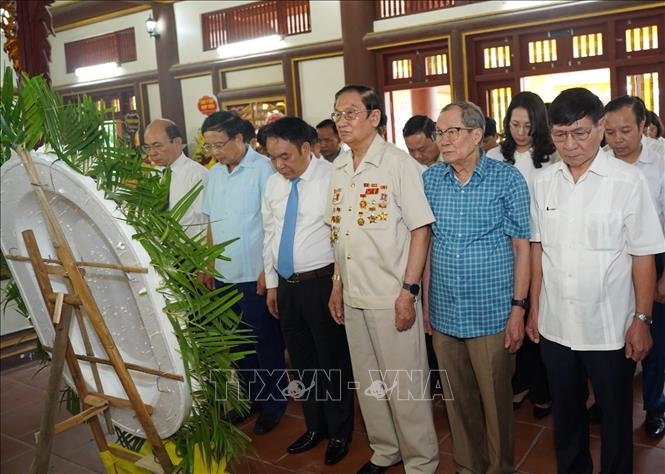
(80, 300)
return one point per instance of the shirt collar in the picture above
(309, 171)
(645, 155)
(373, 156)
(480, 168)
(179, 162)
(600, 165)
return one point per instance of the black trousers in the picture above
(319, 353)
(611, 376)
(530, 373)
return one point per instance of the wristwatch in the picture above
(644, 318)
(524, 304)
(411, 288)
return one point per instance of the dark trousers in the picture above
(262, 372)
(530, 373)
(653, 366)
(611, 376)
(319, 353)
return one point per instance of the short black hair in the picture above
(313, 136)
(575, 104)
(419, 124)
(370, 97)
(248, 131)
(653, 119)
(636, 105)
(291, 129)
(172, 131)
(328, 123)
(261, 135)
(490, 127)
(227, 121)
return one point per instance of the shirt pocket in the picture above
(550, 232)
(374, 209)
(603, 230)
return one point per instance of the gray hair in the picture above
(472, 116)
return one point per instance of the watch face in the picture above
(414, 289)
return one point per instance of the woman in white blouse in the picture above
(528, 146)
(526, 143)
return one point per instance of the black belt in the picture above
(322, 272)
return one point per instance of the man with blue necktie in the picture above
(299, 267)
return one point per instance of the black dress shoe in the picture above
(541, 412)
(306, 442)
(336, 450)
(654, 424)
(371, 468)
(267, 421)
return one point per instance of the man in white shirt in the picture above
(624, 121)
(299, 266)
(595, 232)
(331, 144)
(163, 143)
(418, 133)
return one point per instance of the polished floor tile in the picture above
(22, 396)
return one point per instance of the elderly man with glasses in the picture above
(163, 144)
(595, 233)
(476, 282)
(378, 218)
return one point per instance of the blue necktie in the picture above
(285, 257)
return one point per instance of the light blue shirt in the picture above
(232, 201)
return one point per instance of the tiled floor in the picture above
(22, 395)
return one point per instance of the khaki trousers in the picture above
(391, 371)
(480, 410)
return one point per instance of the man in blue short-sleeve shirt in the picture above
(232, 203)
(477, 279)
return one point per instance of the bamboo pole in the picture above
(44, 283)
(45, 442)
(66, 257)
(129, 365)
(112, 266)
(95, 371)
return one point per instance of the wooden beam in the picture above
(113, 266)
(130, 366)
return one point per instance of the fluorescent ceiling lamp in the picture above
(98, 71)
(258, 45)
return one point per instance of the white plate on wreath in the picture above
(129, 302)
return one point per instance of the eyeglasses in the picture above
(451, 133)
(348, 115)
(155, 146)
(208, 147)
(579, 135)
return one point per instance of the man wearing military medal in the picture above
(378, 217)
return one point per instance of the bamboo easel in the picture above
(60, 307)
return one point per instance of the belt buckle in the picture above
(289, 280)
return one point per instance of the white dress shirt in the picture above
(652, 164)
(589, 232)
(524, 163)
(311, 248)
(185, 175)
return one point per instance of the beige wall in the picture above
(193, 88)
(253, 77)
(491, 7)
(155, 104)
(325, 16)
(145, 46)
(319, 80)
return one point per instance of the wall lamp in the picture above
(151, 27)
